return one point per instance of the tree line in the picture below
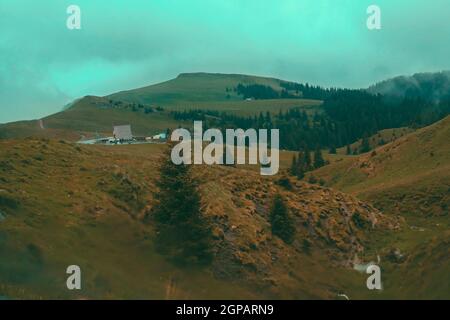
(289, 90)
(344, 117)
(303, 162)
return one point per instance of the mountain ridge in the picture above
(432, 86)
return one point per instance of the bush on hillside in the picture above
(281, 222)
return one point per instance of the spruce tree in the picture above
(307, 159)
(365, 145)
(318, 159)
(300, 173)
(294, 165)
(183, 234)
(297, 168)
(282, 224)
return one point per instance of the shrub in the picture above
(312, 179)
(359, 221)
(306, 246)
(7, 201)
(282, 224)
(285, 183)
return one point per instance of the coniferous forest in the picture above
(345, 116)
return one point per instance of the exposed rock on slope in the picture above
(329, 223)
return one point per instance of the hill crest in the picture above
(414, 169)
(194, 87)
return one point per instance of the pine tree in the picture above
(348, 151)
(318, 159)
(307, 159)
(183, 233)
(300, 172)
(282, 224)
(365, 145)
(294, 167)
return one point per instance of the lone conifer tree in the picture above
(183, 233)
(282, 224)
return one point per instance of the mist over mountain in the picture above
(429, 86)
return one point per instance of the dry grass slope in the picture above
(410, 175)
(65, 204)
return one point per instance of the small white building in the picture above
(123, 132)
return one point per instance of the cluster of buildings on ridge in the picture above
(123, 135)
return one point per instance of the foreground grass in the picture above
(67, 204)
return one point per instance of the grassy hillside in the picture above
(62, 204)
(193, 87)
(32, 128)
(250, 108)
(95, 114)
(212, 91)
(414, 170)
(409, 177)
(85, 222)
(97, 217)
(90, 115)
(415, 261)
(66, 204)
(380, 138)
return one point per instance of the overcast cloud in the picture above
(128, 44)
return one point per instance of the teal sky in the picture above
(125, 44)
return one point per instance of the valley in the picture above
(64, 203)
